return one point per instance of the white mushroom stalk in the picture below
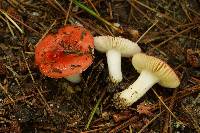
(74, 78)
(115, 48)
(152, 70)
(114, 65)
(135, 91)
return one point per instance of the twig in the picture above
(167, 107)
(152, 120)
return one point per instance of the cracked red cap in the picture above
(65, 53)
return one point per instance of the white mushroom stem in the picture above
(74, 78)
(135, 91)
(114, 65)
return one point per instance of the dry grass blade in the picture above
(25, 25)
(3, 18)
(133, 5)
(53, 5)
(12, 21)
(147, 31)
(193, 11)
(130, 129)
(183, 5)
(28, 67)
(167, 116)
(68, 11)
(91, 12)
(47, 31)
(5, 120)
(9, 27)
(167, 107)
(179, 33)
(98, 30)
(125, 124)
(153, 10)
(15, 75)
(194, 120)
(44, 100)
(58, 4)
(93, 7)
(180, 95)
(21, 98)
(6, 93)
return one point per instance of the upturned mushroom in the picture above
(66, 53)
(152, 70)
(115, 48)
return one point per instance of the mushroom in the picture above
(115, 47)
(152, 70)
(66, 53)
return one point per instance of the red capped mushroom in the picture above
(66, 53)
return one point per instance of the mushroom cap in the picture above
(126, 47)
(167, 76)
(65, 53)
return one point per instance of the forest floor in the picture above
(31, 102)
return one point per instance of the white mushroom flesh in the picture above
(114, 65)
